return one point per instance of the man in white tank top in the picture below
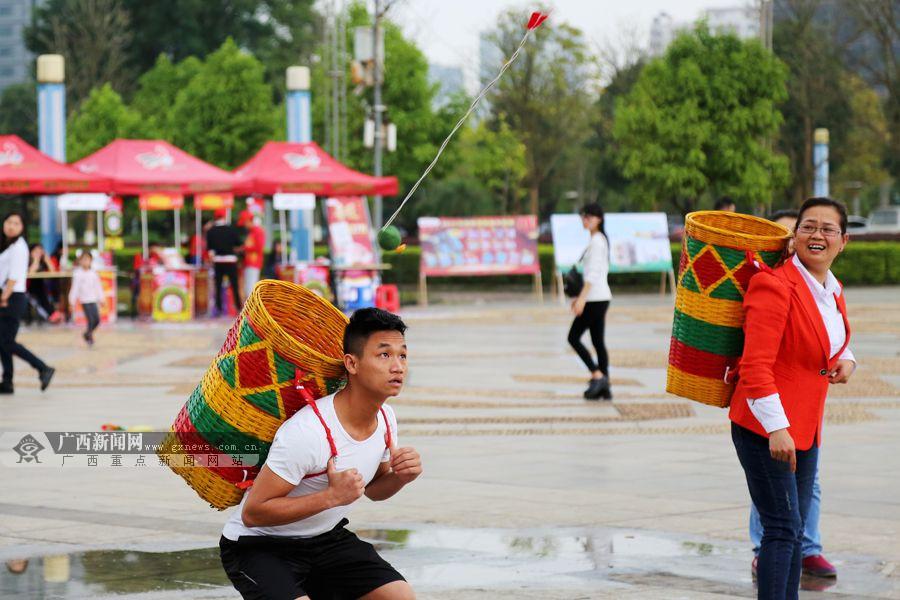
(287, 538)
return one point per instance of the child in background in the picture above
(87, 289)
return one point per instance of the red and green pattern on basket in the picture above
(266, 382)
(707, 343)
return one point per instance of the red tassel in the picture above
(536, 19)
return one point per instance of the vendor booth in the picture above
(294, 174)
(26, 170)
(160, 175)
(102, 260)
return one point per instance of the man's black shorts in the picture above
(332, 566)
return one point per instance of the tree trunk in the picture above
(533, 194)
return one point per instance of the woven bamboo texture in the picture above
(285, 335)
(713, 275)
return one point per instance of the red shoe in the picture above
(817, 566)
(753, 566)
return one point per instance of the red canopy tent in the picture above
(289, 167)
(141, 166)
(149, 168)
(26, 170)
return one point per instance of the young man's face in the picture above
(381, 368)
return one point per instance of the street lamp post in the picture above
(379, 108)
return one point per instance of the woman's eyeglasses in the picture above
(826, 230)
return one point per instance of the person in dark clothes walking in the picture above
(222, 242)
(14, 259)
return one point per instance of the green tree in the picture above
(278, 32)
(157, 90)
(606, 178)
(495, 157)
(816, 97)
(101, 118)
(92, 35)
(226, 111)
(485, 176)
(408, 96)
(18, 111)
(696, 121)
(880, 19)
(544, 96)
(864, 143)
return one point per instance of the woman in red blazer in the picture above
(795, 345)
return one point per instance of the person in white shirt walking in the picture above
(14, 259)
(287, 538)
(591, 304)
(88, 290)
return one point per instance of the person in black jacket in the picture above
(222, 243)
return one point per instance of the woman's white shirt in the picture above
(14, 265)
(596, 269)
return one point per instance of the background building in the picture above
(15, 60)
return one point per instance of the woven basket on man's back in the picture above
(713, 274)
(285, 337)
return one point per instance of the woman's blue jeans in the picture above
(782, 499)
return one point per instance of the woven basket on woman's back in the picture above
(285, 337)
(707, 334)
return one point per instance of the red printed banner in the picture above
(349, 233)
(479, 245)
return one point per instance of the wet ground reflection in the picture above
(438, 558)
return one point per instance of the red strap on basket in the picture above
(760, 265)
(388, 440)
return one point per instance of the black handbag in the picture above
(573, 282)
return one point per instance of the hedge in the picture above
(861, 263)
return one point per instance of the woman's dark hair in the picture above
(723, 203)
(364, 323)
(838, 206)
(784, 213)
(595, 210)
(6, 242)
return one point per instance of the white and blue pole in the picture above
(820, 163)
(299, 129)
(51, 98)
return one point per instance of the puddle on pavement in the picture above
(441, 558)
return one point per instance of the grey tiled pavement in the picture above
(528, 490)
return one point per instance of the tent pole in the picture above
(197, 231)
(283, 228)
(100, 241)
(178, 230)
(64, 259)
(144, 244)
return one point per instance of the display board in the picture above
(638, 242)
(479, 246)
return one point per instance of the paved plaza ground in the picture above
(528, 490)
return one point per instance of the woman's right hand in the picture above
(781, 447)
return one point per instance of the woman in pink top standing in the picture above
(87, 289)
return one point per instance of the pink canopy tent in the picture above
(288, 167)
(141, 166)
(26, 170)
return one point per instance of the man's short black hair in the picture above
(723, 202)
(366, 321)
(784, 213)
(838, 206)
